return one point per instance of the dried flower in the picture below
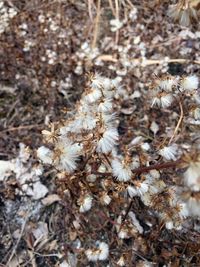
(121, 171)
(108, 140)
(85, 203)
(163, 100)
(169, 152)
(100, 253)
(66, 155)
(189, 83)
(45, 155)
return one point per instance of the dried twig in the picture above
(96, 27)
(160, 166)
(148, 62)
(178, 124)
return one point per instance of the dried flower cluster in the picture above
(85, 151)
(119, 179)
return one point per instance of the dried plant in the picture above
(101, 173)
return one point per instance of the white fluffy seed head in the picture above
(68, 154)
(105, 199)
(192, 176)
(132, 191)
(167, 84)
(94, 95)
(121, 171)
(45, 155)
(105, 106)
(100, 253)
(163, 101)
(166, 100)
(189, 83)
(104, 251)
(96, 81)
(169, 152)
(108, 141)
(92, 255)
(85, 203)
(142, 188)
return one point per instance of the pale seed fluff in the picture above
(104, 251)
(108, 140)
(105, 199)
(85, 203)
(123, 234)
(67, 155)
(164, 101)
(92, 255)
(169, 225)
(93, 95)
(121, 171)
(96, 81)
(169, 152)
(192, 176)
(45, 155)
(142, 188)
(189, 83)
(193, 206)
(105, 105)
(100, 253)
(132, 191)
(167, 84)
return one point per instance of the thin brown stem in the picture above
(179, 122)
(160, 166)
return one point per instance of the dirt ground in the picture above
(47, 50)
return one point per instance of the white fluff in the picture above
(86, 204)
(68, 156)
(96, 81)
(92, 255)
(5, 167)
(108, 140)
(132, 191)
(164, 101)
(189, 83)
(193, 206)
(100, 253)
(105, 199)
(120, 171)
(192, 176)
(105, 105)
(93, 96)
(104, 251)
(167, 85)
(45, 155)
(115, 25)
(142, 188)
(169, 152)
